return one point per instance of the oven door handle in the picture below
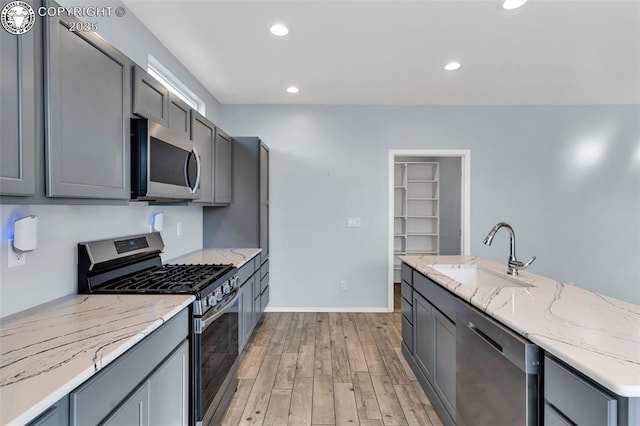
(206, 322)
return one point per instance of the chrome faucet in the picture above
(514, 265)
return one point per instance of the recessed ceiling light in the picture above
(452, 66)
(513, 4)
(279, 30)
(292, 89)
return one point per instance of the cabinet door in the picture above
(134, 412)
(264, 202)
(222, 168)
(87, 112)
(444, 372)
(423, 335)
(264, 300)
(17, 113)
(203, 134)
(179, 115)
(169, 390)
(150, 97)
(256, 314)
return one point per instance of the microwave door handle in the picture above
(193, 190)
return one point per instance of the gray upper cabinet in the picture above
(222, 169)
(179, 115)
(203, 133)
(17, 113)
(150, 97)
(87, 112)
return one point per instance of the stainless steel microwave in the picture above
(165, 166)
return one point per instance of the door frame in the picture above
(465, 200)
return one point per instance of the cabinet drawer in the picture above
(264, 283)
(407, 334)
(580, 401)
(553, 418)
(264, 299)
(264, 269)
(407, 292)
(407, 310)
(245, 272)
(256, 286)
(405, 274)
(436, 295)
(96, 398)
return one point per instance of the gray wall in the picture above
(567, 178)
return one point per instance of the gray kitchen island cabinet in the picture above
(18, 112)
(429, 339)
(87, 112)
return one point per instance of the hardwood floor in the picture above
(328, 369)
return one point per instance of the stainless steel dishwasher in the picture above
(497, 376)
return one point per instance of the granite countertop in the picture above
(219, 256)
(49, 350)
(597, 335)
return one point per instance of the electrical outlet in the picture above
(179, 229)
(15, 258)
(343, 285)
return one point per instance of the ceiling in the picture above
(370, 52)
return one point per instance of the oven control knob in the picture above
(218, 295)
(211, 301)
(235, 282)
(226, 288)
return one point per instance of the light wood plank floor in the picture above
(328, 369)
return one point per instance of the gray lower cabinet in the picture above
(18, 112)
(246, 324)
(572, 397)
(87, 112)
(56, 415)
(148, 385)
(429, 339)
(222, 169)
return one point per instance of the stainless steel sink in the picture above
(477, 276)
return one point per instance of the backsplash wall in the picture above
(51, 271)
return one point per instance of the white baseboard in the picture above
(325, 309)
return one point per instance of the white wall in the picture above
(567, 178)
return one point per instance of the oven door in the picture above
(166, 164)
(216, 360)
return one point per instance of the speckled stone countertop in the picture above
(597, 335)
(218, 256)
(49, 350)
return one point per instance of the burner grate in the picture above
(168, 279)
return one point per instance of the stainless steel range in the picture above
(133, 265)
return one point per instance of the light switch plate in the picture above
(353, 222)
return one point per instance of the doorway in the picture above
(429, 205)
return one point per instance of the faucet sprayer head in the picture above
(488, 239)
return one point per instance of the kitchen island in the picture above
(592, 335)
(48, 351)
